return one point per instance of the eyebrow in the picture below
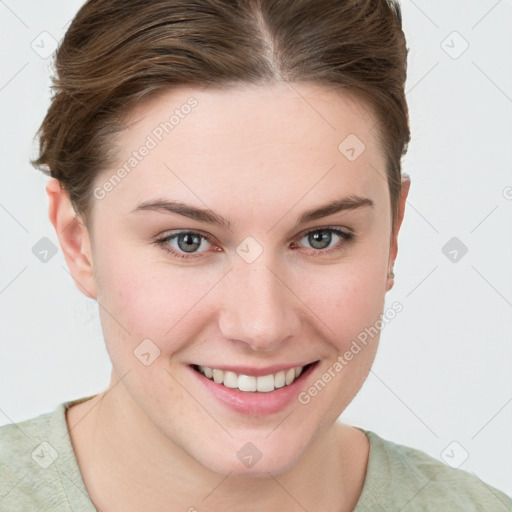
(209, 216)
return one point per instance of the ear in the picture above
(73, 238)
(393, 247)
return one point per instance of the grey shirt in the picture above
(39, 472)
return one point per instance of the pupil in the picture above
(190, 242)
(319, 239)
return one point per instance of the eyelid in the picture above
(347, 235)
(163, 239)
(346, 229)
(175, 232)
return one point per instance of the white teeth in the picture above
(230, 379)
(279, 379)
(290, 376)
(263, 384)
(247, 383)
(218, 376)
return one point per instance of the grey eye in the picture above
(320, 239)
(187, 241)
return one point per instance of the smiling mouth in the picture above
(249, 383)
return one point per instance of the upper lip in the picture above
(256, 372)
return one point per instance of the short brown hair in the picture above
(118, 52)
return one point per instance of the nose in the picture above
(259, 307)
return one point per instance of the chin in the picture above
(250, 462)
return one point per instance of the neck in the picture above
(128, 464)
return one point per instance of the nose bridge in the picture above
(258, 308)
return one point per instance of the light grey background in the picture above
(443, 370)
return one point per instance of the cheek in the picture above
(348, 313)
(144, 299)
(347, 298)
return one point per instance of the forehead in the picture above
(314, 115)
(260, 140)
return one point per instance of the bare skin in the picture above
(336, 485)
(156, 439)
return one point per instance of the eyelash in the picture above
(348, 238)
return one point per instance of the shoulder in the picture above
(38, 468)
(401, 477)
(25, 457)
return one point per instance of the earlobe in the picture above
(73, 238)
(393, 248)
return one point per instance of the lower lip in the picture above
(253, 402)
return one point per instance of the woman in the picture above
(226, 182)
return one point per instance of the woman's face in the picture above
(260, 293)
